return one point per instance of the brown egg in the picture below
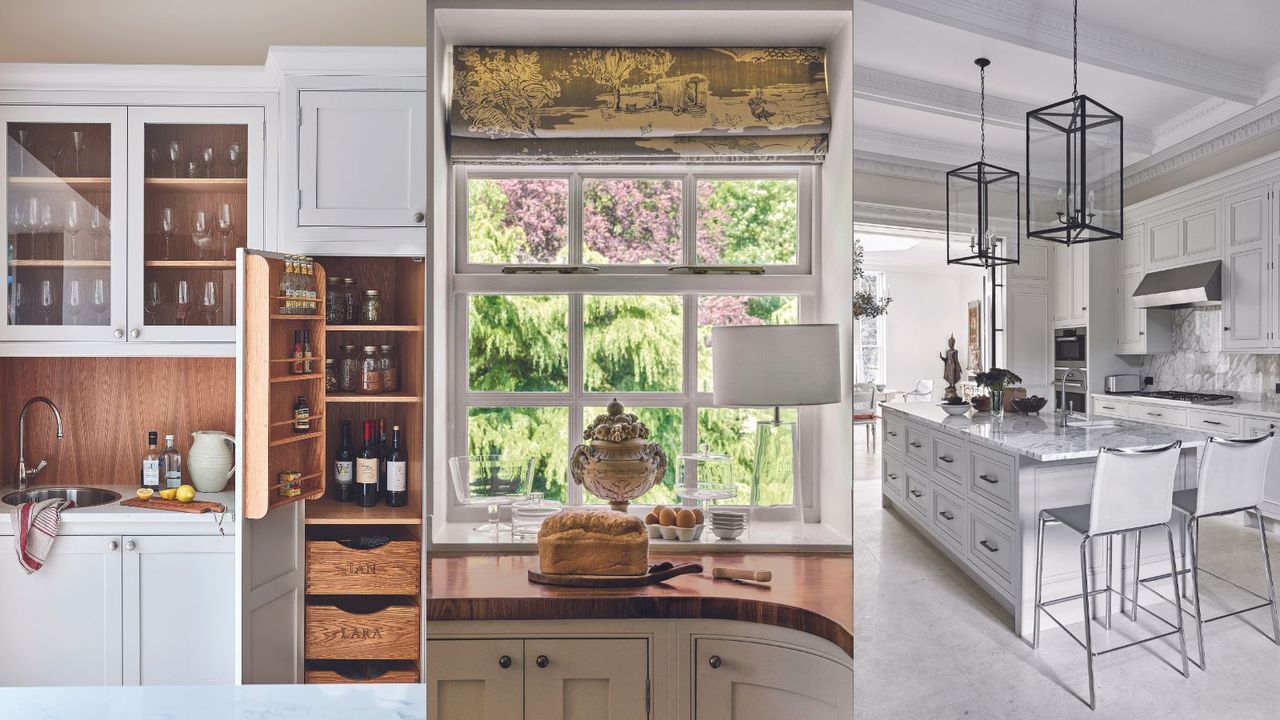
(686, 519)
(667, 517)
(657, 509)
(697, 516)
(651, 519)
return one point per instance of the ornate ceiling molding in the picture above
(868, 216)
(1252, 123)
(943, 154)
(1022, 23)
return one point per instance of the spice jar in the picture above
(330, 375)
(348, 369)
(390, 371)
(371, 310)
(335, 304)
(349, 301)
(370, 371)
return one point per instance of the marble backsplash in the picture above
(1198, 364)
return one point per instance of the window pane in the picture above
(747, 222)
(738, 310)
(665, 428)
(523, 432)
(732, 431)
(518, 342)
(631, 221)
(517, 221)
(632, 343)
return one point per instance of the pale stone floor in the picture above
(929, 643)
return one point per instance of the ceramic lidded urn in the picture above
(617, 461)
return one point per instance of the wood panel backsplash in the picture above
(108, 405)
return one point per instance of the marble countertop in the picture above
(1038, 438)
(1265, 408)
(114, 517)
(229, 702)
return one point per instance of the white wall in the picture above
(926, 308)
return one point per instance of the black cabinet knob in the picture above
(504, 662)
(543, 661)
(715, 662)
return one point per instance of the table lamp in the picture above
(775, 366)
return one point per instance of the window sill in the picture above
(760, 537)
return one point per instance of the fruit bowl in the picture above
(1029, 405)
(955, 408)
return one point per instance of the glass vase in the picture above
(997, 404)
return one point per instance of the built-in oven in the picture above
(1069, 347)
(1077, 388)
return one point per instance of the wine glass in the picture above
(168, 226)
(151, 301)
(98, 231)
(153, 159)
(182, 302)
(74, 224)
(45, 300)
(225, 225)
(24, 141)
(175, 155)
(32, 223)
(77, 147)
(209, 301)
(46, 222)
(16, 223)
(207, 156)
(20, 302)
(234, 156)
(201, 231)
(55, 154)
(100, 300)
(75, 301)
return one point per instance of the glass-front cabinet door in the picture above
(63, 203)
(195, 195)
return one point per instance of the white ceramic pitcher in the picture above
(211, 462)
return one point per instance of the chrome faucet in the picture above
(23, 473)
(1063, 414)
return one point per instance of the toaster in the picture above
(1123, 383)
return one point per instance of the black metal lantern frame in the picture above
(980, 245)
(1075, 157)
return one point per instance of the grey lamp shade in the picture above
(772, 365)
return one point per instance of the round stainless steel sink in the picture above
(81, 497)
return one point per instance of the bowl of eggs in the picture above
(674, 523)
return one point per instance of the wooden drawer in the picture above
(362, 629)
(993, 479)
(895, 435)
(948, 460)
(1162, 414)
(893, 481)
(947, 515)
(1110, 408)
(918, 444)
(335, 565)
(327, 672)
(991, 547)
(1222, 424)
(917, 490)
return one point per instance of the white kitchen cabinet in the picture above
(1028, 339)
(1247, 287)
(1253, 427)
(1163, 242)
(1200, 239)
(1071, 285)
(1035, 265)
(1183, 236)
(744, 680)
(475, 679)
(1140, 331)
(1131, 257)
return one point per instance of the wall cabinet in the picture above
(112, 610)
(1183, 237)
(743, 680)
(1139, 331)
(1247, 287)
(1071, 285)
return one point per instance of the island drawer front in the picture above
(948, 459)
(392, 569)
(947, 513)
(895, 435)
(1158, 414)
(992, 478)
(917, 487)
(1253, 427)
(388, 633)
(991, 546)
(894, 479)
(1111, 408)
(1215, 422)
(918, 444)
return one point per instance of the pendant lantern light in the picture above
(1075, 165)
(983, 215)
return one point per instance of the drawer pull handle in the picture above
(988, 478)
(504, 662)
(1156, 414)
(893, 434)
(945, 458)
(715, 662)
(542, 661)
(988, 546)
(1211, 422)
(916, 445)
(1108, 407)
(917, 493)
(893, 476)
(947, 516)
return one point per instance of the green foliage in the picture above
(756, 217)
(518, 342)
(632, 343)
(540, 433)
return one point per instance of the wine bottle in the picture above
(344, 465)
(367, 470)
(382, 457)
(397, 471)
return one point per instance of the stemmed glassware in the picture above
(175, 155)
(153, 159)
(234, 156)
(207, 157)
(77, 147)
(46, 300)
(75, 301)
(24, 141)
(98, 231)
(74, 224)
(16, 226)
(46, 223)
(19, 302)
(55, 154)
(151, 301)
(100, 301)
(182, 302)
(225, 226)
(193, 169)
(201, 231)
(209, 301)
(32, 223)
(168, 227)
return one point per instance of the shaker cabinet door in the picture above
(475, 679)
(569, 679)
(743, 680)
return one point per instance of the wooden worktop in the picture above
(812, 593)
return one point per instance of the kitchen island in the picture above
(975, 485)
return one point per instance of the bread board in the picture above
(614, 581)
(195, 506)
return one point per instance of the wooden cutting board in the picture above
(195, 506)
(614, 581)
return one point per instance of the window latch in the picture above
(542, 269)
(717, 269)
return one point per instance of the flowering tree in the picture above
(501, 93)
(612, 67)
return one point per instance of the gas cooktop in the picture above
(1194, 398)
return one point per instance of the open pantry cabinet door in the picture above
(271, 538)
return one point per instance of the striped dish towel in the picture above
(35, 526)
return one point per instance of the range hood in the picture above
(1191, 286)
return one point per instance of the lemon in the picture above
(186, 493)
(168, 493)
(146, 493)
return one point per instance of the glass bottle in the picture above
(151, 463)
(330, 375)
(348, 369)
(370, 371)
(334, 304)
(382, 457)
(171, 464)
(344, 465)
(349, 301)
(371, 309)
(366, 486)
(301, 415)
(390, 373)
(397, 471)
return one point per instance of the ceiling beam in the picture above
(1049, 31)
(938, 99)
(937, 152)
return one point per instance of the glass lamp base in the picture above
(775, 489)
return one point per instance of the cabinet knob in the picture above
(118, 333)
(131, 546)
(419, 217)
(715, 662)
(1141, 333)
(134, 333)
(542, 661)
(113, 546)
(1226, 327)
(504, 662)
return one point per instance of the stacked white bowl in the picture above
(727, 524)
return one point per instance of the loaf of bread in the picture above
(593, 542)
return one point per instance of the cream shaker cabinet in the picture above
(475, 679)
(744, 680)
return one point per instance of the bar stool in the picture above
(1132, 491)
(1231, 479)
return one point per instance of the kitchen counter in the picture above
(228, 702)
(1036, 437)
(1269, 409)
(786, 537)
(811, 593)
(114, 518)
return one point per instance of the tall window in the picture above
(868, 358)
(573, 288)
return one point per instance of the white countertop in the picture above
(229, 702)
(1269, 409)
(1038, 438)
(759, 537)
(116, 518)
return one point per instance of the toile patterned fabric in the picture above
(618, 105)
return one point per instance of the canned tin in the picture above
(290, 483)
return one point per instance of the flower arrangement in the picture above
(997, 379)
(867, 304)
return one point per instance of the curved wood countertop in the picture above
(811, 593)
